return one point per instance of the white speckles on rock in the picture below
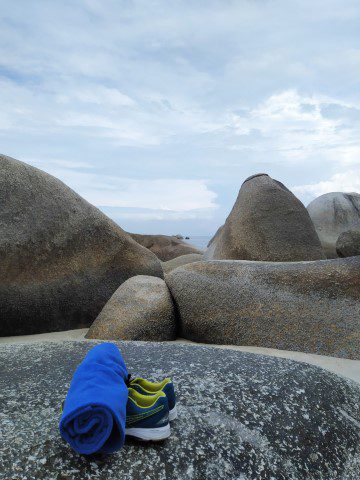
(241, 417)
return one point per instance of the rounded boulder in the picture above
(140, 309)
(333, 214)
(348, 244)
(61, 258)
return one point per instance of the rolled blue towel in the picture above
(94, 414)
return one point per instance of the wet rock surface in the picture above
(61, 258)
(305, 306)
(241, 416)
(140, 309)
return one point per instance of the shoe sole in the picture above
(149, 434)
(172, 414)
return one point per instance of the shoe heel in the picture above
(172, 413)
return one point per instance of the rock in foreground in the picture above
(165, 247)
(140, 309)
(267, 223)
(305, 306)
(333, 214)
(61, 258)
(241, 416)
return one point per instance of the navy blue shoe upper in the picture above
(151, 417)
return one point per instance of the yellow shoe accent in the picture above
(144, 401)
(150, 387)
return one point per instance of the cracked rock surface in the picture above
(241, 416)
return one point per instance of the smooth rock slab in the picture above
(241, 416)
(311, 307)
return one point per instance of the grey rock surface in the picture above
(266, 223)
(241, 417)
(182, 260)
(348, 244)
(212, 245)
(140, 309)
(333, 214)
(165, 247)
(310, 307)
(61, 258)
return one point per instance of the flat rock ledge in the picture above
(241, 416)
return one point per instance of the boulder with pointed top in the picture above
(267, 223)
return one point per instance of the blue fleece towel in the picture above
(94, 415)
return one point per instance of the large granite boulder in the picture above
(240, 416)
(267, 223)
(165, 247)
(333, 214)
(140, 309)
(61, 258)
(212, 245)
(305, 306)
(348, 244)
(182, 260)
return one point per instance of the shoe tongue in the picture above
(128, 380)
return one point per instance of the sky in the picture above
(157, 111)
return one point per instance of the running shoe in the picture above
(147, 416)
(145, 387)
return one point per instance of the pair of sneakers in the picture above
(150, 408)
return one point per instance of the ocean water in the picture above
(199, 241)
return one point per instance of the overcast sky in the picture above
(157, 111)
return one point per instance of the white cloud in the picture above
(123, 132)
(51, 163)
(187, 197)
(99, 95)
(295, 127)
(172, 90)
(348, 181)
(203, 214)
